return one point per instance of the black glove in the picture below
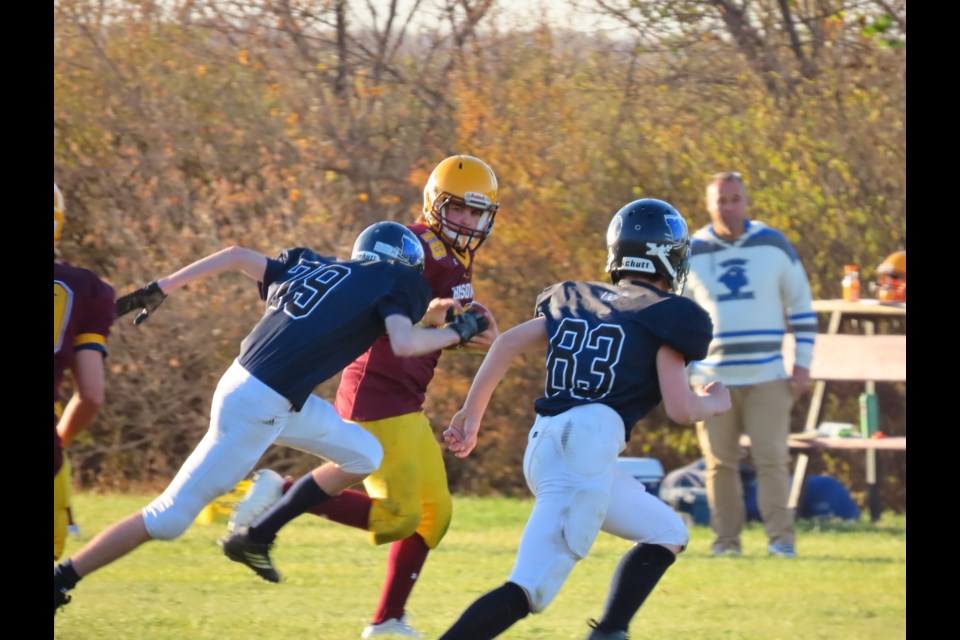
(147, 299)
(467, 325)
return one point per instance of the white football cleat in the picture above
(391, 627)
(267, 488)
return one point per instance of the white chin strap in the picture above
(454, 237)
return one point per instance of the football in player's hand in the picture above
(477, 308)
(480, 310)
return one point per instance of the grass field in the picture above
(848, 582)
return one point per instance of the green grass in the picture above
(849, 581)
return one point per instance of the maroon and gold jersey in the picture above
(83, 311)
(380, 385)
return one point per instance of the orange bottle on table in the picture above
(851, 283)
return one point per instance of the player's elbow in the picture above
(90, 389)
(237, 257)
(680, 417)
(680, 411)
(92, 398)
(232, 255)
(403, 346)
(241, 258)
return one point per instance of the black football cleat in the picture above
(60, 599)
(601, 634)
(240, 548)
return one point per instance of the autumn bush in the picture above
(184, 127)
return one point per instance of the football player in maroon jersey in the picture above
(407, 502)
(83, 313)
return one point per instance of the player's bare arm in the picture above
(407, 340)
(234, 258)
(148, 298)
(682, 404)
(86, 400)
(461, 435)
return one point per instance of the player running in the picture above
(613, 351)
(321, 313)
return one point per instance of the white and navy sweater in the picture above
(755, 290)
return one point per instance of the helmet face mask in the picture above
(468, 182)
(58, 214)
(384, 241)
(649, 236)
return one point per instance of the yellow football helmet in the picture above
(57, 213)
(467, 181)
(892, 277)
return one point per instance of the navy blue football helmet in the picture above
(649, 236)
(389, 241)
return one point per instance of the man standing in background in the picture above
(750, 279)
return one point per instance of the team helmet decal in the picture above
(389, 241)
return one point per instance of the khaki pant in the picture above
(761, 411)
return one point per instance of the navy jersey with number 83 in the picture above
(603, 344)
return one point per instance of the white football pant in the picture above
(571, 467)
(246, 417)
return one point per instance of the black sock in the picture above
(305, 494)
(491, 614)
(65, 576)
(636, 575)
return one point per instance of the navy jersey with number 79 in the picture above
(604, 340)
(322, 314)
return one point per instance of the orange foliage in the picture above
(175, 140)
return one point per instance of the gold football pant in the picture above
(409, 490)
(61, 504)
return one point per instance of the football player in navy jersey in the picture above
(407, 503)
(613, 351)
(321, 313)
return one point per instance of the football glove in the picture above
(467, 325)
(147, 299)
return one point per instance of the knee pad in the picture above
(579, 526)
(550, 581)
(390, 526)
(583, 519)
(168, 525)
(168, 519)
(675, 531)
(365, 460)
(435, 521)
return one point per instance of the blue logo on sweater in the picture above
(734, 278)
